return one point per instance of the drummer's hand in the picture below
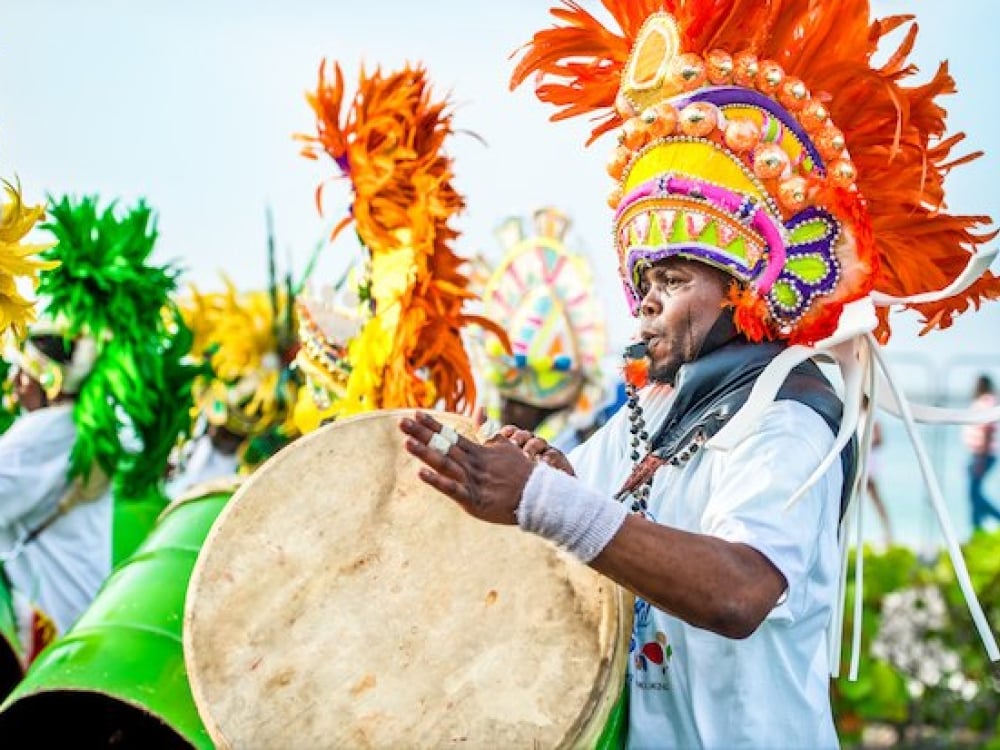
(486, 480)
(537, 449)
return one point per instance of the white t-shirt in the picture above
(691, 688)
(62, 569)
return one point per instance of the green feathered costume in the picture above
(134, 405)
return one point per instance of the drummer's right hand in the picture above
(536, 448)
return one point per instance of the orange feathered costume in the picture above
(409, 353)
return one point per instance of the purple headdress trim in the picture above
(720, 96)
(743, 208)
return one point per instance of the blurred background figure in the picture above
(244, 405)
(388, 335)
(981, 442)
(103, 394)
(550, 382)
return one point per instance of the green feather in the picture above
(136, 402)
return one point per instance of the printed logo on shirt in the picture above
(649, 652)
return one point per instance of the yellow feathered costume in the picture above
(17, 261)
(240, 336)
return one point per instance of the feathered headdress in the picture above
(248, 339)
(759, 137)
(135, 400)
(17, 260)
(389, 144)
(543, 295)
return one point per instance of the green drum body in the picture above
(117, 678)
(11, 656)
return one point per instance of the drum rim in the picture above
(201, 490)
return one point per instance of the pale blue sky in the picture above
(192, 105)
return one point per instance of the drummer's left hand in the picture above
(486, 480)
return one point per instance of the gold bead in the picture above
(698, 119)
(719, 66)
(793, 193)
(689, 71)
(769, 161)
(619, 160)
(745, 68)
(842, 172)
(741, 135)
(793, 94)
(635, 133)
(769, 77)
(814, 115)
(830, 142)
(661, 119)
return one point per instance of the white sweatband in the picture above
(564, 510)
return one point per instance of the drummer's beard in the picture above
(683, 345)
(690, 345)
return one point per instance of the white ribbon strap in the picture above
(936, 415)
(977, 265)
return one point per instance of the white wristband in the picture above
(564, 510)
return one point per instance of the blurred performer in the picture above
(105, 396)
(550, 382)
(24, 629)
(245, 407)
(389, 335)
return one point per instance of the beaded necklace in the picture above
(636, 370)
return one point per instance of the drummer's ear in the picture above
(479, 416)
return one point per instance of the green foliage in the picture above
(923, 669)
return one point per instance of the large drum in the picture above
(117, 678)
(340, 602)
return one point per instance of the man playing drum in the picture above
(749, 240)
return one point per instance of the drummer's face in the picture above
(682, 300)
